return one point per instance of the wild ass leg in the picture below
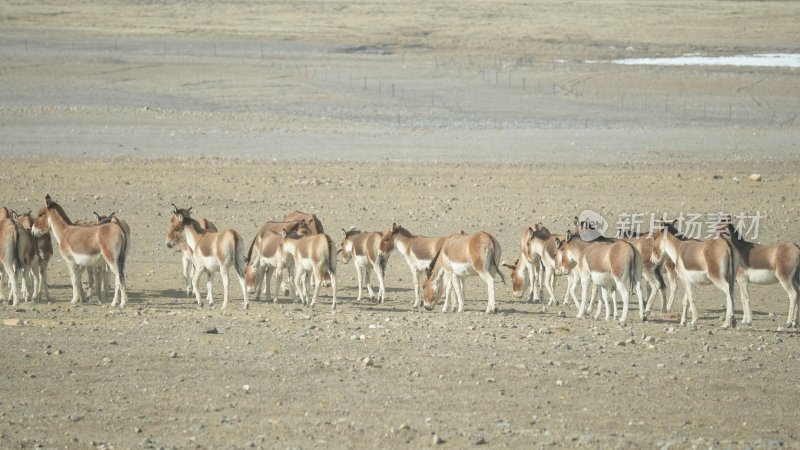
(243, 285)
(75, 278)
(317, 284)
(223, 272)
(359, 277)
(381, 283)
(333, 287)
(368, 282)
(531, 277)
(672, 282)
(196, 273)
(415, 276)
(626, 298)
(458, 288)
(584, 296)
(550, 285)
(491, 306)
(744, 292)
(188, 274)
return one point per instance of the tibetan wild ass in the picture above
(767, 264)
(614, 265)
(313, 254)
(365, 250)
(83, 247)
(419, 252)
(699, 262)
(9, 256)
(211, 252)
(265, 259)
(44, 251)
(463, 255)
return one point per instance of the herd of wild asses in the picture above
(298, 248)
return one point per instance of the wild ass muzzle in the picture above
(460, 256)
(614, 265)
(418, 251)
(313, 254)
(364, 248)
(697, 262)
(83, 247)
(211, 252)
(766, 264)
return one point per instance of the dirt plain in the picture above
(481, 117)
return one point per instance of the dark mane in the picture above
(432, 265)
(351, 232)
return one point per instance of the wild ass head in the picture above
(177, 225)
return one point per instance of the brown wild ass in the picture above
(187, 260)
(313, 254)
(211, 252)
(312, 222)
(83, 247)
(265, 259)
(365, 250)
(44, 251)
(699, 262)
(531, 266)
(766, 264)
(9, 256)
(419, 252)
(98, 276)
(651, 270)
(611, 265)
(542, 247)
(28, 257)
(462, 255)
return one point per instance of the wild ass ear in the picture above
(345, 232)
(569, 236)
(394, 227)
(283, 232)
(174, 208)
(96, 216)
(559, 243)
(180, 217)
(531, 232)
(577, 222)
(48, 200)
(14, 215)
(190, 209)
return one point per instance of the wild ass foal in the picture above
(767, 264)
(83, 247)
(463, 255)
(365, 249)
(211, 251)
(314, 254)
(265, 258)
(699, 262)
(419, 252)
(615, 265)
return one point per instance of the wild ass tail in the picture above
(331, 255)
(496, 253)
(238, 255)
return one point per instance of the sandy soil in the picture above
(367, 113)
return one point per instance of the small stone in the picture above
(559, 383)
(367, 362)
(246, 388)
(437, 440)
(630, 341)
(650, 339)
(477, 439)
(211, 329)
(173, 354)
(13, 322)
(755, 177)
(620, 344)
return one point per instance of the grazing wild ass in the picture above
(651, 269)
(699, 262)
(211, 252)
(265, 259)
(419, 252)
(83, 247)
(43, 252)
(766, 264)
(462, 255)
(614, 265)
(312, 254)
(98, 276)
(187, 260)
(365, 250)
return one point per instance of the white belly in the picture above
(604, 279)
(761, 276)
(89, 260)
(463, 269)
(697, 276)
(362, 261)
(209, 262)
(423, 264)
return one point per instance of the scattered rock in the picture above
(173, 354)
(211, 329)
(437, 440)
(755, 177)
(13, 322)
(477, 439)
(650, 339)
